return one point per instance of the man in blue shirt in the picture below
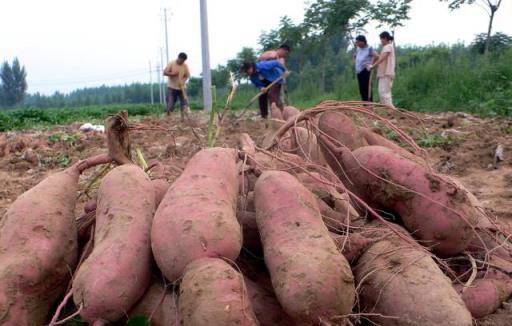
(364, 57)
(262, 74)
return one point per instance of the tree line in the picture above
(320, 59)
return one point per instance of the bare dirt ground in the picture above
(26, 157)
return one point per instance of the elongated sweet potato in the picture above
(312, 280)
(120, 262)
(38, 247)
(405, 285)
(213, 293)
(352, 246)
(304, 144)
(485, 296)
(341, 128)
(267, 309)
(197, 217)
(276, 112)
(436, 210)
(374, 139)
(289, 112)
(160, 304)
(339, 211)
(160, 186)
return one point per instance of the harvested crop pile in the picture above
(322, 221)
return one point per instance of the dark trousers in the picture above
(274, 96)
(363, 79)
(172, 96)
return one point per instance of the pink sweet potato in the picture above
(312, 280)
(38, 247)
(290, 112)
(120, 262)
(267, 309)
(374, 139)
(276, 112)
(90, 206)
(305, 145)
(160, 186)
(352, 246)
(160, 304)
(341, 128)
(197, 217)
(405, 285)
(436, 210)
(485, 296)
(213, 293)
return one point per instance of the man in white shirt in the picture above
(386, 69)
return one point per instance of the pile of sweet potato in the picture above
(335, 226)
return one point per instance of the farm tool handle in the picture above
(263, 91)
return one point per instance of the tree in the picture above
(499, 42)
(14, 84)
(490, 7)
(233, 65)
(329, 17)
(391, 13)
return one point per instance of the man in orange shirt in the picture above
(178, 74)
(278, 54)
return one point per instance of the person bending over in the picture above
(262, 74)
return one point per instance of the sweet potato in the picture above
(160, 187)
(312, 280)
(213, 293)
(289, 112)
(374, 139)
(340, 127)
(90, 206)
(485, 296)
(160, 304)
(305, 145)
(436, 210)
(38, 247)
(405, 285)
(275, 112)
(120, 262)
(338, 208)
(351, 246)
(197, 217)
(267, 309)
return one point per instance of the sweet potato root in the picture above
(289, 112)
(436, 210)
(404, 286)
(276, 112)
(160, 187)
(160, 304)
(267, 309)
(197, 217)
(312, 280)
(340, 127)
(121, 259)
(485, 296)
(38, 247)
(213, 293)
(305, 145)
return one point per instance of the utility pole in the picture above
(151, 83)
(205, 45)
(166, 36)
(162, 85)
(159, 82)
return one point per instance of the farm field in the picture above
(460, 145)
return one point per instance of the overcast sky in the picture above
(67, 44)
